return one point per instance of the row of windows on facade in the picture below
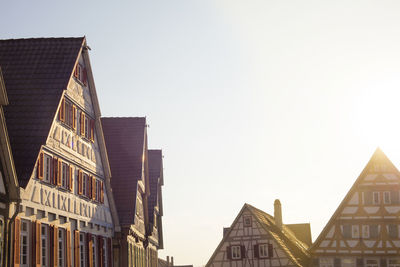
(378, 197)
(358, 262)
(137, 256)
(238, 252)
(54, 171)
(37, 244)
(369, 231)
(76, 119)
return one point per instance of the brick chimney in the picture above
(278, 213)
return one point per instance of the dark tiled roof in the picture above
(36, 71)
(125, 141)
(155, 172)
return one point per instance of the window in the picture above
(348, 262)
(84, 181)
(376, 198)
(263, 250)
(24, 252)
(394, 197)
(326, 262)
(355, 231)
(94, 250)
(371, 263)
(60, 247)
(80, 74)
(386, 197)
(247, 221)
(236, 252)
(44, 245)
(368, 198)
(365, 231)
(105, 252)
(347, 230)
(373, 231)
(47, 167)
(393, 230)
(82, 252)
(65, 175)
(394, 263)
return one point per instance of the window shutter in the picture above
(360, 262)
(17, 236)
(61, 113)
(59, 174)
(270, 251)
(337, 262)
(229, 252)
(80, 182)
(51, 228)
(92, 130)
(76, 248)
(71, 179)
(93, 188)
(68, 248)
(37, 245)
(55, 170)
(82, 124)
(76, 72)
(74, 117)
(55, 246)
(88, 186)
(89, 250)
(109, 252)
(40, 166)
(243, 251)
(101, 192)
(256, 251)
(84, 72)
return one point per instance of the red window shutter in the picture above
(101, 192)
(17, 236)
(82, 124)
(68, 247)
(74, 117)
(61, 113)
(76, 248)
(59, 174)
(243, 251)
(55, 246)
(40, 166)
(89, 249)
(109, 252)
(76, 72)
(256, 251)
(270, 251)
(94, 188)
(55, 171)
(71, 180)
(229, 252)
(38, 243)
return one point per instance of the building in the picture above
(257, 239)
(67, 215)
(135, 172)
(9, 193)
(364, 230)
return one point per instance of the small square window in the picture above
(247, 221)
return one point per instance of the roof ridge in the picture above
(42, 38)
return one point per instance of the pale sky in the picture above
(249, 100)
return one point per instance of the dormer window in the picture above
(80, 74)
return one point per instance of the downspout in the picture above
(9, 260)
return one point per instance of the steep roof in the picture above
(377, 158)
(155, 175)
(125, 141)
(295, 249)
(302, 231)
(36, 71)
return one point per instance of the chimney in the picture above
(278, 213)
(172, 261)
(167, 260)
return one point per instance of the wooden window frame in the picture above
(247, 220)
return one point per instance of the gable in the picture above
(361, 222)
(35, 73)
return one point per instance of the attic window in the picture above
(247, 221)
(80, 74)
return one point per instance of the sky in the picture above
(249, 100)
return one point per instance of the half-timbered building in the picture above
(67, 215)
(9, 193)
(126, 141)
(364, 230)
(257, 239)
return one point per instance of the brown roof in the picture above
(155, 174)
(36, 71)
(302, 231)
(125, 141)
